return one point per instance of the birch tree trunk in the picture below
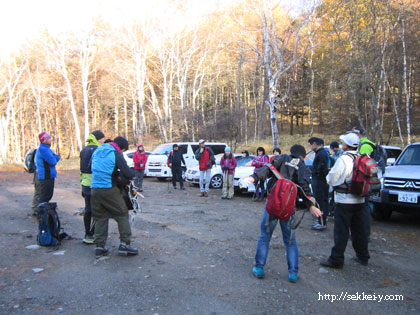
(405, 75)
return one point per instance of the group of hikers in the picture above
(105, 174)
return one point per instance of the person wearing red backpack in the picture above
(292, 167)
(140, 159)
(351, 212)
(176, 162)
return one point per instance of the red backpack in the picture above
(282, 198)
(171, 155)
(365, 181)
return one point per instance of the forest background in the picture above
(244, 72)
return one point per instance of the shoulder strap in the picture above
(274, 170)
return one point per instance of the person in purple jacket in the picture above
(228, 165)
(259, 161)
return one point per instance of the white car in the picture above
(192, 175)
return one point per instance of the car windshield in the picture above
(163, 149)
(244, 161)
(411, 156)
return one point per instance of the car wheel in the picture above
(380, 212)
(216, 181)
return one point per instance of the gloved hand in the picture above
(141, 165)
(208, 164)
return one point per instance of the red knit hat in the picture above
(44, 136)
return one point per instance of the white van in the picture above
(156, 163)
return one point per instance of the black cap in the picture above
(175, 145)
(334, 144)
(98, 134)
(246, 152)
(358, 130)
(122, 143)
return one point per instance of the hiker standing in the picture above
(319, 183)
(335, 152)
(258, 162)
(228, 164)
(110, 175)
(276, 151)
(140, 160)
(205, 157)
(366, 146)
(45, 160)
(351, 212)
(292, 167)
(175, 161)
(95, 139)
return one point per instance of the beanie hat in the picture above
(298, 151)
(98, 134)
(175, 145)
(139, 145)
(44, 136)
(334, 144)
(122, 143)
(228, 149)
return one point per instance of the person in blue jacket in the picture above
(45, 161)
(110, 174)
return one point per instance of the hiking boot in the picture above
(293, 278)
(182, 188)
(359, 261)
(329, 264)
(203, 194)
(99, 252)
(224, 197)
(318, 227)
(206, 194)
(229, 198)
(89, 240)
(258, 272)
(125, 250)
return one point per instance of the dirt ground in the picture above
(195, 257)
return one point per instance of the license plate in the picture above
(407, 197)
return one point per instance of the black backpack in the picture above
(378, 154)
(29, 161)
(49, 227)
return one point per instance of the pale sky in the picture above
(21, 20)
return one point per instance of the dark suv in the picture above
(400, 186)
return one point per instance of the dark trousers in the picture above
(177, 176)
(37, 194)
(87, 217)
(109, 203)
(46, 187)
(320, 189)
(354, 217)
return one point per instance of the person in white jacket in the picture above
(351, 212)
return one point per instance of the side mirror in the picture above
(390, 161)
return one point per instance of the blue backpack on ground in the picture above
(49, 225)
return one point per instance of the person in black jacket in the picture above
(319, 183)
(93, 141)
(175, 161)
(293, 168)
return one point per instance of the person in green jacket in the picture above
(94, 140)
(366, 146)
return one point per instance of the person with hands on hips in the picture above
(292, 167)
